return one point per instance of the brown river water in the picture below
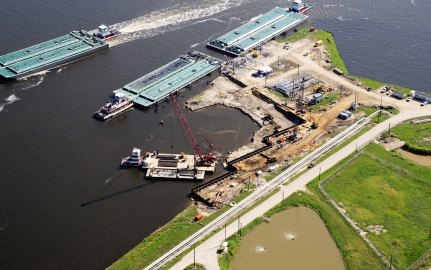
(294, 239)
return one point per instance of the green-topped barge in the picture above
(51, 53)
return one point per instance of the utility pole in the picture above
(320, 170)
(239, 218)
(380, 109)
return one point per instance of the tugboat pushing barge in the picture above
(298, 6)
(134, 160)
(55, 52)
(104, 32)
(118, 104)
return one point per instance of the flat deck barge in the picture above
(49, 54)
(170, 78)
(256, 32)
(174, 166)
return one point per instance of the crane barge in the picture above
(180, 166)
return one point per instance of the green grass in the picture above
(168, 236)
(160, 241)
(344, 143)
(326, 101)
(198, 267)
(376, 84)
(382, 188)
(164, 239)
(416, 136)
(356, 253)
(328, 41)
(423, 264)
(384, 115)
(366, 110)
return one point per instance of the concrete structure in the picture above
(170, 78)
(258, 31)
(48, 54)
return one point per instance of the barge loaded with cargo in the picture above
(175, 166)
(53, 53)
(276, 22)
(170, 78)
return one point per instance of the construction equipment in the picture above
(254, 54)
(203, 160)
(269, 159)
(314, 121)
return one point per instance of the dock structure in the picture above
(174, 166)
(170, 78)
(254, 33)
(48, 54)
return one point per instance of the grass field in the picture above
(356, 253)
(326, 101)
(381, 188)
(416, 136)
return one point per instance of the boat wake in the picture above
(170, 19)
(22, 84)
(33, 83)
(9, 100)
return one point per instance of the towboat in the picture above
(118, 104)
(134, 160)
(104, 32)
(298, 6)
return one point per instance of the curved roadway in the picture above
(206, 251)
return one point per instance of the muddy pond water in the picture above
(294, 239)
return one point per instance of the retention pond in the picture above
(293, 239)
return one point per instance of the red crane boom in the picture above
(210, 157)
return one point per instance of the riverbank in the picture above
(343, 241)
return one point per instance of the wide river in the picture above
(64, 203)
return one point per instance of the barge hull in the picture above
(50, 54)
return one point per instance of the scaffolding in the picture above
(294, 87)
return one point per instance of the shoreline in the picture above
(196, 106)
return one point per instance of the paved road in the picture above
(206, 252)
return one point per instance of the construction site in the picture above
(297, 105)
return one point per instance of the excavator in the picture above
(314, 119)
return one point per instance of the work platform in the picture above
(49, 54)
(255, 33)
(170, 78)
(174, 166)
